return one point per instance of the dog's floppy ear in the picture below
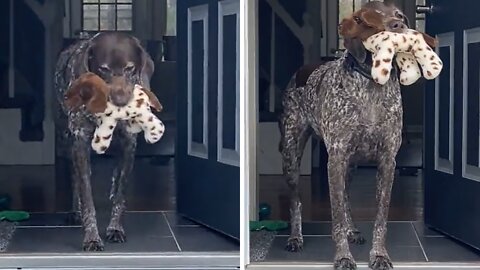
(89, 90)
(356, 49)
(146, 65)
(347, 28)
(372, 18)
(431, 41)
(362, 24)
(154, 102)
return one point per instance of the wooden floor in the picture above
(406, 205)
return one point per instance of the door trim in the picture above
(226, 155)
(445, 165)
(198, 13)
(468, 171)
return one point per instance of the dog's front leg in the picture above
(82, 171)
(379, 258)
(354, 235)
(128, 143)
(337, 175)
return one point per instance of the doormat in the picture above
(7, 230)
(260, 242)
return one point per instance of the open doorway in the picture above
(167, 212)
(291, 35)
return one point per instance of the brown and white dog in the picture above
(117, 62)
(357, 119)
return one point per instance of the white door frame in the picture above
(248, 122)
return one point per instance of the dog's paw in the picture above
(345, 264)
(93, 245)
(116, 235)
(381, 263)
(356, 237)
(294, 244)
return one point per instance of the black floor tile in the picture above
(47, 219)
(442, 249)
(176, 220)
(322, 249)
(423, 230)
(311, 228)
(399, 233)
(203, 239)
(46, 240)
(67, 240)
(146, 223)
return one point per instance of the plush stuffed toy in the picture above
(139, 118)
(410, 48)
(91, 92)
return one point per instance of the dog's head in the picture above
(94, 92)
(372, 18)
(120, 60)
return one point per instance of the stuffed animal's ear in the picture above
(431, 41)
(154, 103)
(89, 90)
(356, 49)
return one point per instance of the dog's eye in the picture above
(129, 68)
(104, 69)
(357, 19)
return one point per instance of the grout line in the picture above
(306, 235)
(47, 226)
(171, 231)
(419, 242)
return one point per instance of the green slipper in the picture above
(269, 225)
(13, 216)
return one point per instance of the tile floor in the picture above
(406, 242)
(146, 232)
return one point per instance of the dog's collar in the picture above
(364, 69)
(352, 64)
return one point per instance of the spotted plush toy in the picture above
(139, 118)
(91, 92)
(411, 49)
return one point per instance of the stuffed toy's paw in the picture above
(409, 69)
(408, 46)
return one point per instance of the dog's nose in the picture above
(396, 26)
(120, 97)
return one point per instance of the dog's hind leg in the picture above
(294, 135)
(354, 235)
(128, 143)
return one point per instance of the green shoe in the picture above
(269, 225)
(13, 216)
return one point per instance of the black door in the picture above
(452, 180)
(208, 172)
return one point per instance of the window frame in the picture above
(98, 3)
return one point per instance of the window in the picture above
(107, 15)
(171, 18)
